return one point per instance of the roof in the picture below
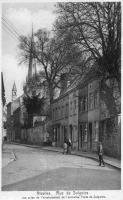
(81, 81)
(14, 87)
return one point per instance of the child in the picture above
(100, 154)
(65, 148)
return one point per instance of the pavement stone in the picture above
(116, 163)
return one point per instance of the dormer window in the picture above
(68, 83)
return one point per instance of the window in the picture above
(59, 112)
(96, 99)
(80, 104)
(85, 132)
(66, 110)
(85, 103)
(68, 83)
(103, 105)
(91, 101)
(53, 114)
(56, 113)
(90, 86)
(63, 112)
(74, 106)
(83, 106)
(96, 131)
(71, 108)
(119, 119)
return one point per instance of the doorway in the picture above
(71, 130)
(81, 136)
(90, 134)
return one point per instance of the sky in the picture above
(21, 16)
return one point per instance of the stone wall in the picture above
(111, 136)
(35, 135)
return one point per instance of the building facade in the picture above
(60, 120)
(15, 118)
(89, 115)
(86, 119)
(65, 115)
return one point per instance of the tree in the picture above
(96, 29)
(3, 90)
(34, 106)
(52, 54)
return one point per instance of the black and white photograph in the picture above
(61, 98)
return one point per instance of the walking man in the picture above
(100, 154)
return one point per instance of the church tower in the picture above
(14, 92)
(30, 85)
(31, 58)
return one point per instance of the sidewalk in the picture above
(108, 160)
(114, 162)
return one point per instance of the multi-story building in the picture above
(65, 114)
(15, 115)
(60, 119)
(96, 123)
(86, 119)
(89, 112)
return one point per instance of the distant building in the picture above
(36, 86)
(15, 115)
(14, 92)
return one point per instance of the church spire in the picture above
(31, 57)
(14, 92)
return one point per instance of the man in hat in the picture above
(100, 154)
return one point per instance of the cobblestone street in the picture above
(36, 169)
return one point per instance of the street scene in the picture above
(61, 96)
(38, 169)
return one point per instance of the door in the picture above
(58, 136)
(65, 132)
(90, 134)
(81, 136)
(71, 133)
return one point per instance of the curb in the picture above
(11, 159)
(72, 153)
(93, 158)
(96, 159)
(13, 154)
(85, 156)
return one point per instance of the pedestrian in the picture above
(65, 148)
(100, 154)
(69, 145)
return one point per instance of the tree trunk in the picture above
(107, 96)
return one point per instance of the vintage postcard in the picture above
(61, 100)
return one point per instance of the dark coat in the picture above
(100, 150)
